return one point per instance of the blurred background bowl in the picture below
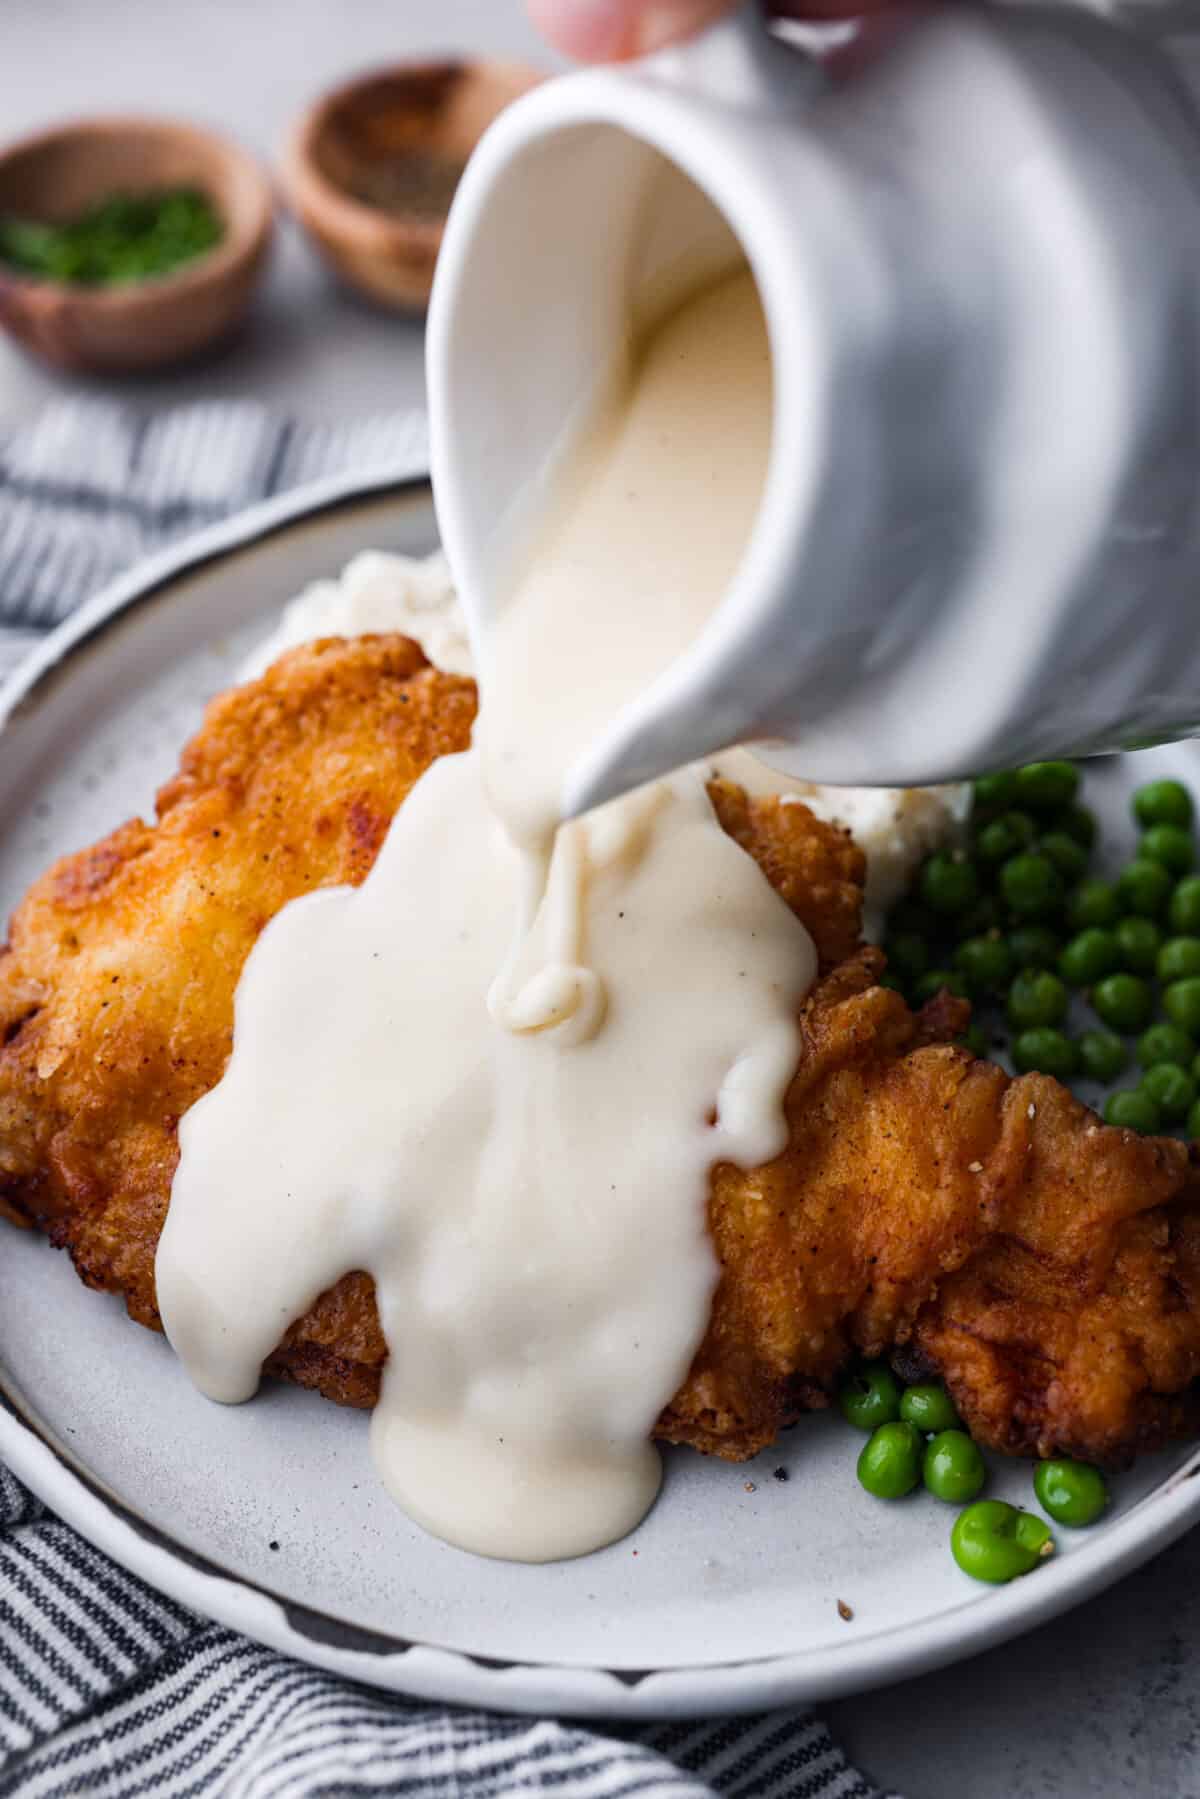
(58, 174)
(372, 168)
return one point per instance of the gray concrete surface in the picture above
(1103, 1704)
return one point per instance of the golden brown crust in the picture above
(816, 867)
(836, 1242)
(1076, 1327)
(991, 1230)
(1049, 1266)
(116, 990)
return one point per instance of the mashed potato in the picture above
(376, 592)
(896, 827)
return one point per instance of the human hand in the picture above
(611, 30)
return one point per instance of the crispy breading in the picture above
(926, 1205)
(816, 867)
(1076, 1327)
(991, 1230)
(837, 1242)
(116, 990)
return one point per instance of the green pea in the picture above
(1138, 942)
(1124, 1002)
(982, 918)
(1031, 885)
(1164, 1042)
(1102, 1056)
(1181, 1003)
(949, 883)
(1170, 845)
(995, 1542)
(1005, 836)
(1069, 857)
(910, 916)
(890, 1463)
(1033, 946)
(1193, 1121)
(993, 793)
(1178, 958)
(1185, 907)
(1094, 903)
(869, 1396)
(939, 980)
(1172, 1089)
(1047, 786)
(1080, 824)
(1132, 1110)
(985, 963)
(953, 1468)
(1036, 997)
(1073, 1493)
(1044, 1050)
(907, 955)
(929, 1407)
(1162, 803)
(975, 1039)
(1143, 888)
(1088, 957)
(893, 983)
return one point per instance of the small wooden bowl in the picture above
(372, 167)
(59, 173)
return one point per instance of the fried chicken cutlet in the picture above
(993, 1230)
(990, 1230)
(117, 984)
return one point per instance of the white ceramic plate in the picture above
(269, 1517)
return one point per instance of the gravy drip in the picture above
(488, 1075)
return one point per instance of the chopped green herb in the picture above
(124, 239)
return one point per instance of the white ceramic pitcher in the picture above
(979, 540)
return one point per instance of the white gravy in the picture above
(653, 513)
(895, 827)
(496, 1076)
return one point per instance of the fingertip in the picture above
(589, 30)
(614, 30)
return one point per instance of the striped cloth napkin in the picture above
(106, 1688)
